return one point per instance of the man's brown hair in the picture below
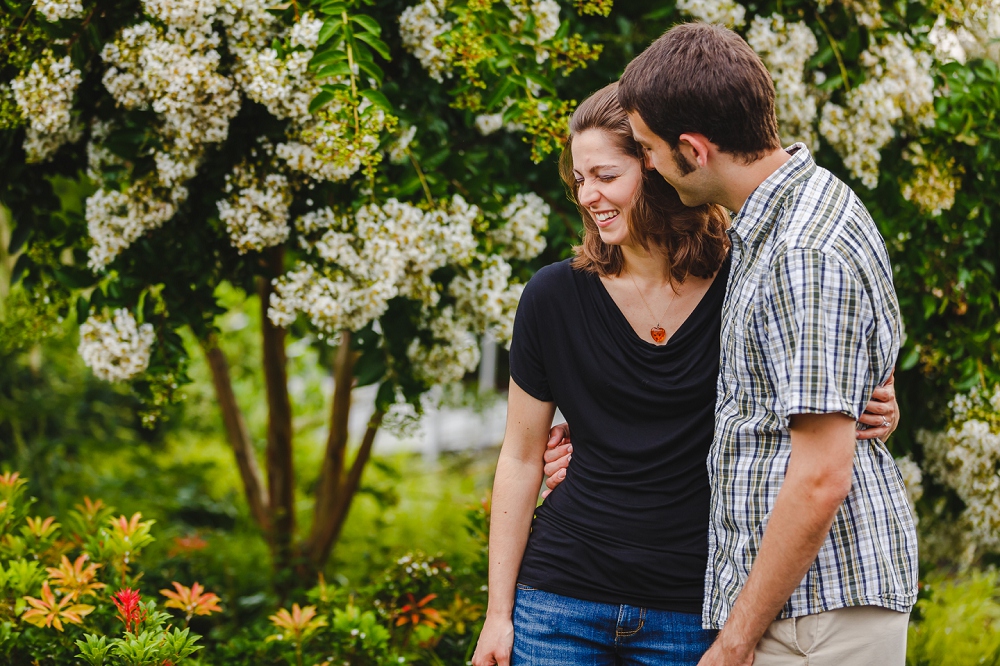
(693, 239)
(704, 79)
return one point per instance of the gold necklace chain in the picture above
(657, 332)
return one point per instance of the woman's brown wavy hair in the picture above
(693, 239)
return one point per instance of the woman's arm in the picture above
(515, 494)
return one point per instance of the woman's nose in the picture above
(588, 194)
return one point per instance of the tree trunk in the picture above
(280, 468)
(328, 532)
(332, 469)
(239, 437)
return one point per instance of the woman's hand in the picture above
(558, 453)
(881, 413)
(495, 642)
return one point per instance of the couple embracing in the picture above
(730, 500)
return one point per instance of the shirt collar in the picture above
(755, 218)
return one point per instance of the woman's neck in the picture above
(646, 266)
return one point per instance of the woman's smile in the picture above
(605, 218)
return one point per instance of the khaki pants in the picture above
(855, 636)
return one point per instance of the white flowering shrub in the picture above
(966, 458)
(344, 163)
(116, 349)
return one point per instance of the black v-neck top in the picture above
(630, 522)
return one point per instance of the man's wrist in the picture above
(733, 643)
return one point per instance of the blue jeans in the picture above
(553, 630)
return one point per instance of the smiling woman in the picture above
(639, 392)
(612, 178)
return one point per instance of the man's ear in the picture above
(695, 147)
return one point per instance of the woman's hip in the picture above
(552, 629)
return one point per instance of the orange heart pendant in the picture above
(658, 334)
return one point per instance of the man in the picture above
(809, 524)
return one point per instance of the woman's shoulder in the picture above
(554, 278)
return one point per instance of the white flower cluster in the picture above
(44, 95)
(196, 14)
(55, 10)
(488, 298)
(899, 88)
(256, 212)
(966, 458)
(366, 260)
(419, 28)
(913, 479)
(173, 72)
(398, 148)
(866, 12)
(454, 352)
(967, 29)
(284, 86)
(933, 184)
(116, 219)
(116, 350)
(526, 217)
(546, 13)
(249, 24)
(785, 49)
(723, 12)
(488, 123)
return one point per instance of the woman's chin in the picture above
(612, 235)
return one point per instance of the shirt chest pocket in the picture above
(743, 341)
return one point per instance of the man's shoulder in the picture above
(824, 214)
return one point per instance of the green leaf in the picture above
(375, 43)
(378, 99)
(385, 397)
(562, 32)
(320, 100)
(330, 26)
(18, 238)
(504, 89)
(336, 69)
(330, 8)
(502, 43)
(372, 70)
(334, 87)
(542, 81)
(368, 23)
(82, 309)
(327, 57)
(370, 368)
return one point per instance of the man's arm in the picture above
(816, 483)
(515, 494)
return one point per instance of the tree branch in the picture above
(330, 531)
(239, 437)
(280, 468)
(332, 468)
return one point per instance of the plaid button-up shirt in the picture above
(810, 325)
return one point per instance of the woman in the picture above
(624, 338)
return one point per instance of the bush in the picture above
(956, 623)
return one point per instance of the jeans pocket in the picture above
(526, 588)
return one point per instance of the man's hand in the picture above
(558, 453)
(719, 655)
(881, 413)
(495, 642)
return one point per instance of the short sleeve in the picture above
(819, 320)
(527, 363)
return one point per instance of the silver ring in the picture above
(885, 423)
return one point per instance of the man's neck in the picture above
(742, 179)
